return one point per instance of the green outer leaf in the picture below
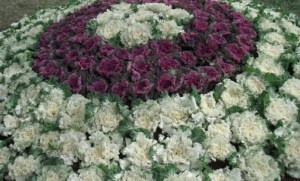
(234, 109)
(110, 172)
(198, 135)
(218, 91)
(204, 168)
(261, 103)
(126, 128)
(275, 81)
(12, 102)
(232, 160)
(160, 172)
(46, 127)
(53, 161)
(89, 110)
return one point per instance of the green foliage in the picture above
(232, 160)
(275, 81)
(136, 102)
(261, 103)
(110, 172)
(204, 168)
(35, 152)
(53, 161)
(288, 60)
(198, 135)
(251, 70)
(89, 110)
(124, 110)
(160, 172)
(105, 97)
(218, 91)
(126, 128)
(151, 152)
(291, 38)
(196, 95)
(134, 7)
(49, 127)
(277, 146)
(184, 127)
(64, 87)
(12, 101)
(234, 109)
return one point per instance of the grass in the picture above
(13, 10)
(292, 6)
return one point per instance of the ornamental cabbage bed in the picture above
(161, 90)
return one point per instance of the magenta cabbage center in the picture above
(212, 46)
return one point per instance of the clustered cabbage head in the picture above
(211, 47)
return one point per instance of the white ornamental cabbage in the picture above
(240, 6)
(220, 129)
(290, 27)
(234, 95)
(274, 51)
(252, 13)
(122, 7)
(184, 176)
(48, 111)
(134, 173)
(23, 168)
(256, 165)
(14, 69)
(248, 128)
(136, 34)
(226, 175)
(277, 38)
(10, 123)
(73, 113)
(28, 98)
(210, 107)
(281, 109)
(267, 24)
(273, 14)
(142, 16)
(176, 111)
(179, 150)
(5, 154)
(111, 29)
(146, 115)
(155, 7)
(267, 64)
(104, 150)
(252, 83)
(169, 28)
(92, 173)
(218, 148)
(49, 141)
(26, 136)
(69, 144)
(178, 14)
(292, 87)
(136, 26)
(54, 173)
(137, 152)
(292, 154)
(106, 117)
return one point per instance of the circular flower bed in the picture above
(114, 53)
(187, 126)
